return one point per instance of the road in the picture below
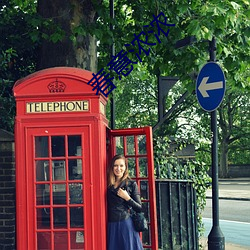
(232, 210)
(234, 213)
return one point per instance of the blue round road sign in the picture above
(210, 86)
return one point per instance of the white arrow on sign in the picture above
(204, 86)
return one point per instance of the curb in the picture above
(230, 198)
(243, 179)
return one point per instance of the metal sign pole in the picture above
(216, 240)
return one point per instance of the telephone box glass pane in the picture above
(41, 146)
(60, 217)
(42, 171)
(75, 169)
(131, 167)
(43, 241)
(75, 193)
(41, 194)
(143, 164)
(61, 240)
(43, 218)
(58, 146)
(144, 190)
(59, 194)
(146, 237)
(130, 145)
(76, 217)
(74, 145)
(77, 240)
(146, 210)
(142, 144)
(58, 171)
(119, 145)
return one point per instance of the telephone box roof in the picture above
(75, 79)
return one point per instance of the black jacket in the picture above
(118, 208)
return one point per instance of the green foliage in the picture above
(227, 21)
(7, 106)
(16, 42)
(193, 170)
(17, 55)
(234, 117)
(138, 93)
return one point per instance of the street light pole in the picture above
(216, 240)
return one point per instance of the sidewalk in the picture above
(231, 194)
(228, 246)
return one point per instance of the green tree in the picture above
(68, 37)
(234, 117)
(227, 21)
(17, 54)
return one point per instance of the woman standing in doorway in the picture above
(122, 195)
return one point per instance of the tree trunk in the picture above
(73, 51)
(223, 166)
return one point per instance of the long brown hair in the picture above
(111, 175)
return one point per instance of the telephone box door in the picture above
(59, 188)
(136, 145)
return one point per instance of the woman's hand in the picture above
(123, 194)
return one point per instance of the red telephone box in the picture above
(63, 144)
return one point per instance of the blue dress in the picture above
(121, 232)
(122, 236)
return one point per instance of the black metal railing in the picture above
(176, 211)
